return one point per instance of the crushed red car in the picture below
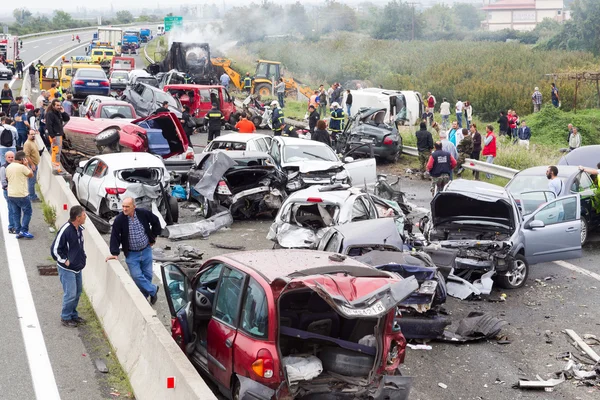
(291, 324)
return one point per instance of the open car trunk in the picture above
(332, 339)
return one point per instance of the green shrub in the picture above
(549, 126)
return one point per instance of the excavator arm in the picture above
(292, 85)
(225, 63)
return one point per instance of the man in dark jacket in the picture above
(440, 166)
(321, 134)
(55, 117)
(277, 118)
(289, 131)
(32, 75)
(313, 118)
(68, 251)
(424, 145)
(163, 108)
(14, 106)
(135, 231)
(214, 120)
(503, 122)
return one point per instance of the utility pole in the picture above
(413, 19)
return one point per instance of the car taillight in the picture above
(314, 200)
(104, 83)
(263, 366)
(222, 188)
(388, 140)
(189, 155)
(115, 190)
(177, 333)
(79, 82)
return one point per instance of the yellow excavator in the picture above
(266, 71)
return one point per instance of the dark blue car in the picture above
(89, 81)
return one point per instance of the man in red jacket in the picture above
(489, 147)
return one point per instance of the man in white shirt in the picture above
(445, 113)
(40, 100)
(459, 112)
(555, 185)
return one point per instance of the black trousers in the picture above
(212, 133)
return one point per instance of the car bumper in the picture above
(179, 167)
(90, 91)
(378, 151)
(118, 86)
(6, 76)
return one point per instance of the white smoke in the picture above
(210, 33)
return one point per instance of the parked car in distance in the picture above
(146, 99)
(573, 181)
(140, 75)
(83, 107)
(367, 130)
(240, 142)
(200, 98)
(245, 182)
(483, 222)
(5, 72)
(102, 182)
(88, 81)
(119, 79)
(245, 317)
(308, 162)
(110, 108)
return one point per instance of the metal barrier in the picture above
(482, 166)
(86, 28)
(148, 58)
(410, 151)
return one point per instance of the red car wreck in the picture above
(291, 324)
(160, 134)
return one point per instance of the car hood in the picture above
(350, 296)
(314, 165)
(451, 206)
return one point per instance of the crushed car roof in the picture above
(239, 137)
(381, 231)
(477, 188)
(334, 196)
(273, 264)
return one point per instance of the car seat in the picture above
(320, 318)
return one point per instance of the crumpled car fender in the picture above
(252, 390)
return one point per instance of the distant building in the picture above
(521, 15)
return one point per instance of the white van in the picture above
(406, 106)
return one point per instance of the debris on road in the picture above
(583, 345)
(540, 383)
(228, 246)
(101, 365)
(184, 253)
(202, 228)
(443, 385)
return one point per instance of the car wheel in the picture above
(394, 158)
(73, 189)
(234, 118)
(346, 362)
(257, 121)
(174, 209)
(107, 137)
(205, 206)
(263, 89)
(584, 231)
(235, 393)
(517, 277)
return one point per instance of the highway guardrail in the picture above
(487, 168)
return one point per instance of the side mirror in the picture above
(348, 159)
(536, 224)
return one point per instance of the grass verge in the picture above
(115, 382)
(156, 49)
(48, 210)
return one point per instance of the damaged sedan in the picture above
(484, 224)
(245, 182)
(291, 325)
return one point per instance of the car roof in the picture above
(333, 196)
(239, 137)
(191, 86)
(588, 156)
(563, 171)
(299, 142)
(273, 264)
(476, 187)
(131, 160)
(87, 69)
(373, 231)
(139, 72)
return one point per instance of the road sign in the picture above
(171, 22)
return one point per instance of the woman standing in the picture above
(468, 114)
(6, 96)
(489, 147)
(476, 146)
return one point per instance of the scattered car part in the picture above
(202, 228)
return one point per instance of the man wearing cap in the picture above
(536, 98)
(277, 118)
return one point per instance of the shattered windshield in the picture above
(308, 153)
(528, 183)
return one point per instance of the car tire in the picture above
(234, 118)
(584, 230)
(206, 206)
(518, 275)
(394, 158)
(257, 121)
(174, 206)
(108, 137)
(346, 362)
(73, 188)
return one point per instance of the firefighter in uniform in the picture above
(19, 64)
(289, 131)
(277, 119)
(440, 166)
(336, 122)
(247, 83)
(214, 120)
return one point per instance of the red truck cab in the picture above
(199, 98)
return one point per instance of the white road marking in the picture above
(35, 47)
(42, 375)
(64, 54)
(575, 268)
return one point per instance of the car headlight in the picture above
(341, 176)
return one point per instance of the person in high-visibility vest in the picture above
(336, 122)
(247, 83)
(277, 119)
(214, 119)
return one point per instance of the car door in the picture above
(585, 187)
(148, 104)
(275, 152)
(553, 231)
(362, 172)
(222, 328)
(179, 293)
(83, 184)
(96, 189)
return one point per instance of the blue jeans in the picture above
(348, 107)
(445, 121)
(489, 160)
(31, 185)
(21, 138)
(555, 103)
(71, 283)
(280, 98)
(140, 268)
(459, 119)
(3, 151)
(11, 222)
(20, 207)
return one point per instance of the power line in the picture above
(413, 18)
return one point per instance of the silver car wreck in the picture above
(484, 224)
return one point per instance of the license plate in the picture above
(366, 140)
(93, 84)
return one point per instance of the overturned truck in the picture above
(190, 58)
